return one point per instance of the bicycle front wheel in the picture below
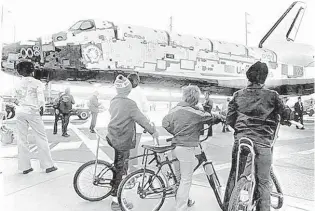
(240, 197)
(217, 188)
(93, 189)
(142, 189)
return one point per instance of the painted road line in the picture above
(306, 152)
(67, 145)
(91, 144)
(299, 204)
(288, 155)
(9, 151)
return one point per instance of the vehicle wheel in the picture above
(10, 113)
(84, 115)
(132, 197)
(217, 188)
(278, 190)
(84, 183)
(240, 196)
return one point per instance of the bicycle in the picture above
(242, 197)
(151, 186)
(100, 176)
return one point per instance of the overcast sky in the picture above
(216, 19)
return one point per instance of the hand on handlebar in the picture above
(217, 118)
(156, 138)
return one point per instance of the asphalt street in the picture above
(293, 155)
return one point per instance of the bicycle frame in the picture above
(96, 178)
(250, 146)
(169, 190)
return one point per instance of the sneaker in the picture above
(28, 171)
(190, 202)
(51, 169)
(92, 131)
(54, 133)
(302, 128)
(115, 206)
(65, 135)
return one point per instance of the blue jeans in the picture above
(263, 162)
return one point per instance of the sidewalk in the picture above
(39, 191)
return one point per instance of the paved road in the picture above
(293, 156)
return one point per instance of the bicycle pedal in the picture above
(277, 195)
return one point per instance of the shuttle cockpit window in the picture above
(86, 25)
(76, 26)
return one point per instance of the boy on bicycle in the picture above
(252, 113)
(124, 114)
(185, 122)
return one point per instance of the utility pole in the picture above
(246, 29)
(1, 16)
(171, 24)
(14, 31)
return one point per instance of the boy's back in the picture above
(121, 128)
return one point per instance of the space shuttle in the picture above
(96, 51)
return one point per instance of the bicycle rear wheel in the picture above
(240, 197)
(141, 189)
(93, 189)
(278, 194)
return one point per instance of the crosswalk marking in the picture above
(306, 152)
(67, 145)
(91, 144)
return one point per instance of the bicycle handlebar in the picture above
(202, 140)
(296, 123)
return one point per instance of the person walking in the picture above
(298, 109)
(65, 107)
(56, 106)
(207, 107)
(224, 112)
(94, 107)
(30, 97)
(138, 96)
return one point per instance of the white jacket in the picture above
(141, 100)
(30, 95)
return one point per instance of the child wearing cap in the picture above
(122, 129)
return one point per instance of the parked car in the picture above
(82, 113)
(310, 111)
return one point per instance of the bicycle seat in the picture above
(159, 149)
(245, 140)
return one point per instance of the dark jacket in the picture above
(187, 122)
(94, 104)
(65, 103)
(252, 113)
(208, 105)
(124, 114)
(298, 109)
